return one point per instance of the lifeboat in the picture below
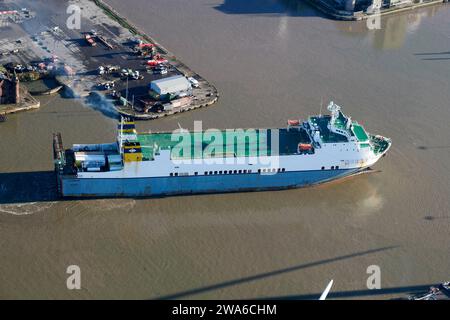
(304, 147)
(145, 45)
(293, 123)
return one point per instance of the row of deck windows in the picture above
(227, 172)
(271, 170)
(232, 172)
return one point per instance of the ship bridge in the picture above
(337, 128)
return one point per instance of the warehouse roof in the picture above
(171, 84)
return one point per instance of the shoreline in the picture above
(28, 103)
(358, 16)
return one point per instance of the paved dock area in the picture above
(44, 34)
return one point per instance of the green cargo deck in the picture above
(359, 132)
(224, 143)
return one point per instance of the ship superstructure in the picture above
(321, 149)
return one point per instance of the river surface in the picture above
(270, 62)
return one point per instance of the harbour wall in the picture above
(330, 10)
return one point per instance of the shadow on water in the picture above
(432, 218)
(434, 56)
(431, 53)
(269, 7)
(26, 187)
(261, 276)
(410, 290)
(435, 59)
(432, 147)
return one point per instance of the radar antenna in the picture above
(334, 109)
(321, 106)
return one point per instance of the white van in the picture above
(193, 82)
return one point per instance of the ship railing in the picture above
(380, 144)
(58, 151)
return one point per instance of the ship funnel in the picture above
(126, 131)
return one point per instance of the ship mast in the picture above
(334, 109)
(121, 134)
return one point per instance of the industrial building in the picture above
(171, 87)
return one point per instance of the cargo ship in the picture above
(321, 149)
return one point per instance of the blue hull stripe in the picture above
(166, 186)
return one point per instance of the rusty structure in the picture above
(10, 91)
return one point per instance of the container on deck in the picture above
(115, 162)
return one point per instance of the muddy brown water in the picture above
(271, 62)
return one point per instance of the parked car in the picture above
(193, 82)
(160, 70)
